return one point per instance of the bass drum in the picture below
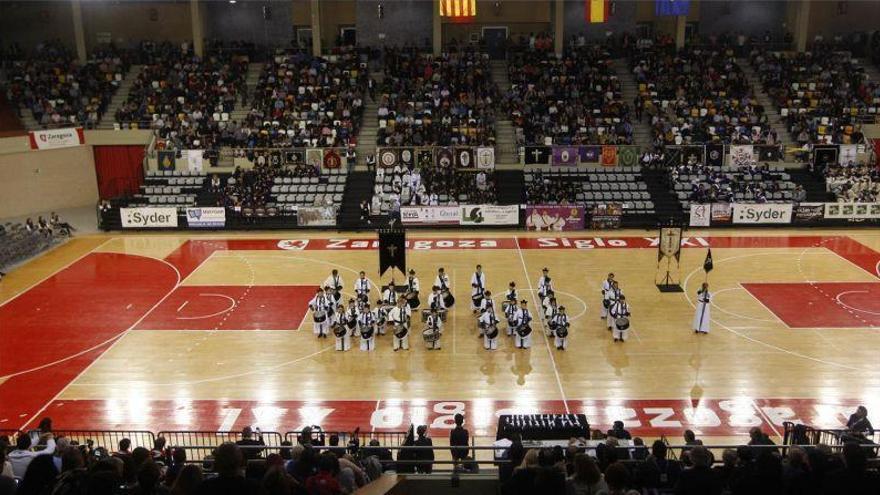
(448, 299)
(622, 323)
(524, 331)
(492, 331)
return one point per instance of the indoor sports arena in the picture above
(320, 247)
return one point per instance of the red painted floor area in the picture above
(51, 332)
(821, 305)
(232, 307)
(710, 417)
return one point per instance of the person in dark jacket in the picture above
(854, 478)
(230, 480)
(426, 455)
(698, 479)
(459, 437)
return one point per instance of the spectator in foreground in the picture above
(619, 432)
(858, 422)
(618, 480)
(230, 480)
(188, 480)
(426, 455)
(699, 479)
(249, 443)
(459, 437)
(587, 479)
(324, 481)
(21, 457)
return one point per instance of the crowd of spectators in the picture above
(853, 183)
(551, 190)
(575, 99)
(252, 188)
(186, 99)
(752, 182)
(436, 100)
(823, 94)
(60, 91)
(306, 101)
(698, 95)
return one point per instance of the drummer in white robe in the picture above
(607, 285)
(619, 310)
(366, 325)
(523, 330)
(612, 296)
(362, 288)
(340, 330)
(478, 289)
(545, 285)
(434, 327)
(488, 324)
(321, 306)
(702, 314)
(334, 280)
(561, 327)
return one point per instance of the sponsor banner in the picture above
(486, 157)
(852, 211)
(148, 218)
(722, 213)
(489, 215)
(51, 139)
(808, 212)
(206, 217)
(761, 213)
(316, 216)
(429, 215)
(554, 218)
(723, 417)
(701, 215)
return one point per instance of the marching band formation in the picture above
(395, 305)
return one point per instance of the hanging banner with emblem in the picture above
(166, 160)
(295, 157)
(670, 243)
(407, 157)
(715, 155)
(609, 156)
(564, 156)
(537, 155)
(464, 158)
(315, 157)
(628, 156)
(444, 157)
(425, 158)
(486, 158)
(590, 154)
(332, 159)
(387, 157)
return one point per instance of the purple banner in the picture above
(554, 218)
(565, 155)
(590, 154)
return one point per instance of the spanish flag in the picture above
(597, 11)
(458, 8)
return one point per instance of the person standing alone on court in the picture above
(459, 437)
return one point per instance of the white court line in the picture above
(543, 333)
(853, 307)
(454, 319)
(761, 303)
(765, 418)
(758, 341)
(118, 338)
(731, 313)
(56, 272)
(182, 305)
(202, 317)
(229, 418)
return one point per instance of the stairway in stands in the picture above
(629, 89)
(10, 124)
(242, 108)
(358, 187)
(119, 97)
(666, 204)
(511, 187)
(813, 186)
(776, 122)
(505, 132)
(366, 139)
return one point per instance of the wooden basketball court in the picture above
(208, 332)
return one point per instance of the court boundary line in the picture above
(543, 333)
(55, 272)
(764, 416)
(119, 337)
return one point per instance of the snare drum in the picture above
(622, 323)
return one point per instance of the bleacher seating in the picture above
(170, 188)
(699, 95)
(18, 244)
(708, 184)
(592, 186)
(823, 94)
(290, 192)
(445, 100)
(573, 100)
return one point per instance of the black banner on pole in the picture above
(392, 250)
